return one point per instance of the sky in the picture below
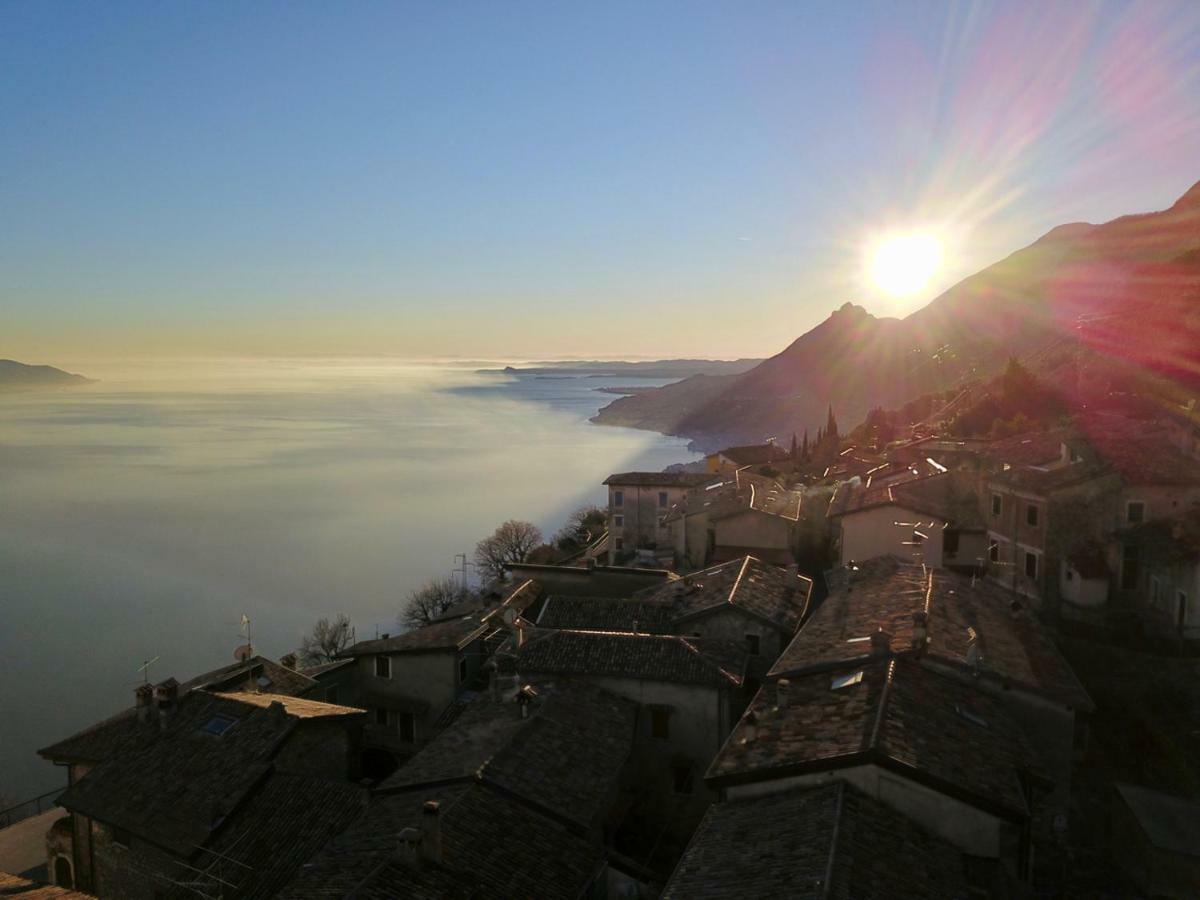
(540, 180)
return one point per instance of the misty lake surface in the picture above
(143, 515)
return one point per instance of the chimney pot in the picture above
(408, 841)
(431, 840)
(143, 697)
(385, 636)
(881, 643)
(782, 691)
(288, 661)
(166, 694)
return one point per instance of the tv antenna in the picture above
(144, 668)
(246, 650)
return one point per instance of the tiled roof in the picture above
(767, 592)
(1140, 451)
(17, 887)
(652, 657)
(949, 496)
(564, 757)
(885, 592)
(816, 843)
(757, 493)
(605, 614)
(294, 706)
(492, 846)
(452, 635)
(660, 479)
(753, 454)
(1030, 449)
(173, 786)
(325, 668)
(929, 726)
(112, 735)
(283, 824)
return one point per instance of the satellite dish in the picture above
(243, 653)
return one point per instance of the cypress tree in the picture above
(793, 446)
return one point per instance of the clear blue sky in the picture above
(513, 179)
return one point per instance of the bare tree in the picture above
(585, 525)
(428, 602)
(326, 640)
(510, 543)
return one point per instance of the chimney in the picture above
(750, 728)
(919, 633)
(591, 563)
(384, 636)
(143, 698)
(288, 661)
(431, 840)
(881, 643)
(408, 843)
(782, 692)
(276, 711)
(166, 695)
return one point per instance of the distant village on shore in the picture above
(893, 663)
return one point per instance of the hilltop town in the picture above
(870, 665)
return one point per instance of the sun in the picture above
(904, 264)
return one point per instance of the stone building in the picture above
(638, 503)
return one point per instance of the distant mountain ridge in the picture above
(1128, 289)
(658, 368)
(15, 376)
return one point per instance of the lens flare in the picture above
(903, 265)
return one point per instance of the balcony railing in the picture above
(29, 808)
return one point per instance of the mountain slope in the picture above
(15, 376)
(1129, 290)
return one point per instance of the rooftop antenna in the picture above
(244, 652)
(144, 668)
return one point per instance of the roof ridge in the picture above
(883, 700)
(706, 658)
(737, 582)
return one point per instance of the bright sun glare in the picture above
(904, 264)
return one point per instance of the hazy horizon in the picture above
(447, 182)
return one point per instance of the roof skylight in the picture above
(218, 725)
(845, 681)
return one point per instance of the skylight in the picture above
(218, 725)
(844, 681)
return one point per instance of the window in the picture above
(1129, 567)
(218, 725)
(660, 723)
(620, 543)
(381, 717)
(1031, 565)
(662, 521)
(994, 551)
(462, 671)
(684, 777)
(845, 681)
(1031, 516)
(950, 542)
(618, 521)
(1135, 512)
(662, 499)
(408, 727)
(618, 498)
(997, 504)
(1181, 608)
(331, 694)
(752, 644)
(383, 667)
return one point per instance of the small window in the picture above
(845, 681)
(1070, 574)
(752, 644)
(383, 667)
(331, 694)
(660, 723)
(1031, 565)
(994, 551)
(462, 671)
(1135, 512)
(684, 777)
(218, 725)
(1031, 516)
(950, 542)
(120, 836)
(662, 499)
(1181, 607)
(408, 727)
(618, 521)
(997, 504)
(1129, 567)
(618, 498)
(620, 543)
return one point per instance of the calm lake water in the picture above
(142, 516)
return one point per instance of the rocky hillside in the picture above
(1128, 290)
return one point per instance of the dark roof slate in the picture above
(651, 657)
(885, 592)
(661, 479)
(816, 843)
